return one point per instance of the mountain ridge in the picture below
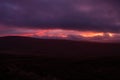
(56, 48)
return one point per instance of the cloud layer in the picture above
(95, 15)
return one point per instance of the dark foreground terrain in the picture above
(23, 58)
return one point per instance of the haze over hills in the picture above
(57, 48)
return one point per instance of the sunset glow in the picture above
(97, 20)
(65, 34)
(111, 35)
(92, 34)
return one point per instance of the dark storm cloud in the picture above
(98, 15)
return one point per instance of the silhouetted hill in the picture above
(25, 58)
(57, 48)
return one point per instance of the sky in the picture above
(97, 20)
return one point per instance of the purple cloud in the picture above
(95, 15)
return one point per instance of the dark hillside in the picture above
(57, 48)
(24, 58)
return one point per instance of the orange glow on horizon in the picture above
(65, 34)
(92, 34)
(111, 35)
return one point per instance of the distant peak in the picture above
(15, 37)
